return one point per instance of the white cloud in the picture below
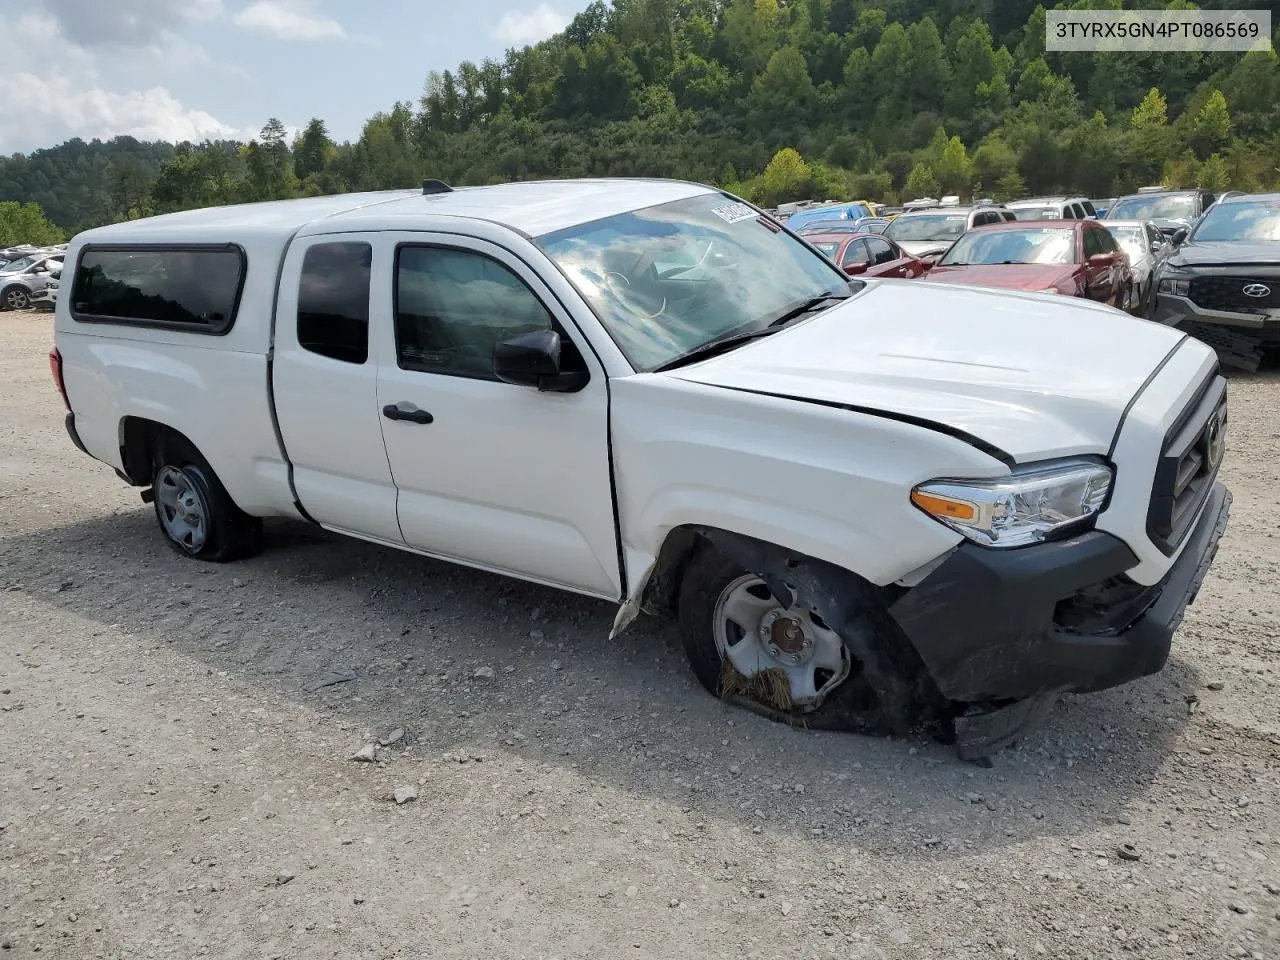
(519, 28)
(126, 23)
(288, 20)
(52, 98)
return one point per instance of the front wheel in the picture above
(788, 662)
(16, 298)
(195, 512)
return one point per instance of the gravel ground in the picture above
(179, 782)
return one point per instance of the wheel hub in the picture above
(784, 637)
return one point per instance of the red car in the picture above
(867, 254)
(1076, 258)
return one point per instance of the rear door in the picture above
(488, 473)
(324, 377)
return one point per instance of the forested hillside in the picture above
(778, 99)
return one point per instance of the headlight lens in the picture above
(1026, 507)
(1179, 288)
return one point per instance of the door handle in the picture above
(406, 411)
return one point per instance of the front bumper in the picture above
(1175, 311)
(1054, 617)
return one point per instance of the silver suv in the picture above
(929, 233)
(1053, 208)
(23, 280)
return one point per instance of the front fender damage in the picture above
(893, 692)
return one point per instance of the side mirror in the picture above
(853, 269)
(533, 360)
(1179, 236)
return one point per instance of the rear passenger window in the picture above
(193, 288)
(333, 301)
(454, 306)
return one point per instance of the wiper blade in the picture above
(732, 340)
(802, 308)
(714, 347)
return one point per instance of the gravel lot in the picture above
(178, 779)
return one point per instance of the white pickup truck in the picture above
(868, 503)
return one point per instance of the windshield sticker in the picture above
(734, 212)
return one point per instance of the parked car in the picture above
(1147, 248)
(854, 210)
(1074, 258)
(861, 225)
(1052, 208)
(22, 279)
(1227, 272)
(47, 298)
(926, 233)
(1170, 210)
(867, 254)
(858, 498)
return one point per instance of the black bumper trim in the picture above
(984, 622)
(75, 437)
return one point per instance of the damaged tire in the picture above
(832, 669)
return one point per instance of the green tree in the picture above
(994, 160)
(313, 149)
(1213, 174)
(26, 223)
(1211, 127)
(787, 177)
(783, 93)
(921, 182)
(1150, 140)
(954, 170)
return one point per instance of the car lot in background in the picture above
(1171, 210)
(25, 278)
(1052, 208)
(1147, 248)
(853, 210)
(868, 254)
(861, 225)
(1223, 283)
(927, 233)
(1073, 258)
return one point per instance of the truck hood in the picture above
(1009, 276)
(1222, 254)
(1033, 375)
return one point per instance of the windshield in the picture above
(669, 279)
(1240, 222)
(1179, 207)
(1036, 213)
(13, 266)
(1133, 240)
(828, 247)
(926, 226)
(1044, 245)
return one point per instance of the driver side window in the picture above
(1092, 243)
(856, 252)
(454, 306)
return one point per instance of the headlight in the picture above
(1025, 507)
(1179, 288)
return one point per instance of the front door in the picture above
(489, 473)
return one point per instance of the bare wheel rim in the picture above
(16, 299)
(754, 633)
(183, 511)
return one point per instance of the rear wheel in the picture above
(196, 514)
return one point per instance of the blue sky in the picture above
(190, 69)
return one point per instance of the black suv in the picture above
(1225, 277)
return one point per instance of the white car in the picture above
(23, 280)
(869, 504)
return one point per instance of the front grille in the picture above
(1188, 466)
(1227, 293)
